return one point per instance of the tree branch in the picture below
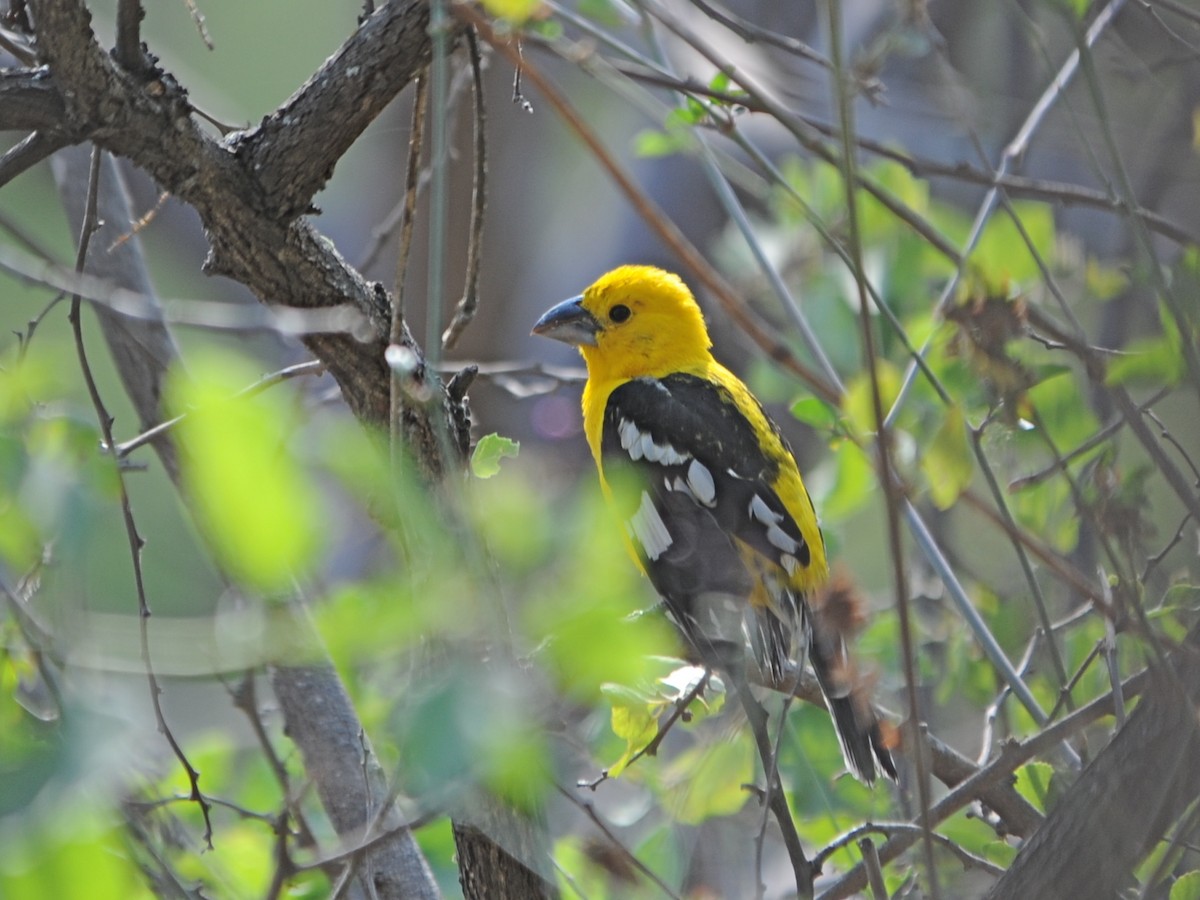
(29, 100)
(293, 151)
(1125, 800)
(280, 261)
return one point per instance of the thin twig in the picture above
(590, 811)
(207, 314)
(245, 698)
(678, 708)
(1066, 193)
(312, 367)
(469, 303)
(1012, 153)
(1035, 587)
(883, 448)
(136, 543)
(773, 796)
(662, 226)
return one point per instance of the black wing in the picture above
(715, 539)
(718, 543)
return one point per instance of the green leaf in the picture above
(815, 412)
(485, 461)
(857, 404)
(854, 477)
(636, 713)
(1002, 256)
(587, 619)
(78, 855)
(1186, 887)
(1033, 783)
(602, 11)
(253, 501)
(515, 11)
(1151, 361)
(709, 780)
(636, 724)
(1103, 282)
(650, 143)
(947, 462)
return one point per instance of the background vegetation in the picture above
(310, 637)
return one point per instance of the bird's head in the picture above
(634, 321)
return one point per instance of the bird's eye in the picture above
(619, 313)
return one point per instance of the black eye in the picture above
(619, 313)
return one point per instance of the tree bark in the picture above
(1125, 801)
(249, 190)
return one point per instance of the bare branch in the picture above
(293, 151)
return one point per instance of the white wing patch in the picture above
(700, 483)
(760, 512)
(629, 435)
(640, 444)
(776, 536)
(649, 529)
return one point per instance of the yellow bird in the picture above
(720, 520)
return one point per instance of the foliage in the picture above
(494, 636)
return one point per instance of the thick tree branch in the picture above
(1125, 800)
(28, 153)
(149, 121)
(30, 99)
(293, 151)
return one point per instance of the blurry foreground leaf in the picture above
(1186, 887)
(516, 11)
(252, 499)
(709, 780)
(947, 460)
(75, 855)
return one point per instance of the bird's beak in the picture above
(570, 323)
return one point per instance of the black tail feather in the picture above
(858, 729)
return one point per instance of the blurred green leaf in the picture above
(709, 780)
(1153, 362)
(815, 412)
(650, 143)
(253, 501)
(589, 620)
(1033, 783)
(515, 11)
(947, 461)
(1002, 257)
(1186, 887)
(601, 11)
(853, 484)
(857, 404)
(491, 448)
(1103, 282)
(79, 854)
(1067, 422)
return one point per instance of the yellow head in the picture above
(634, 321)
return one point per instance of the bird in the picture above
(715, 510)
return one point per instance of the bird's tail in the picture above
(858, 728)
(836, 612)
